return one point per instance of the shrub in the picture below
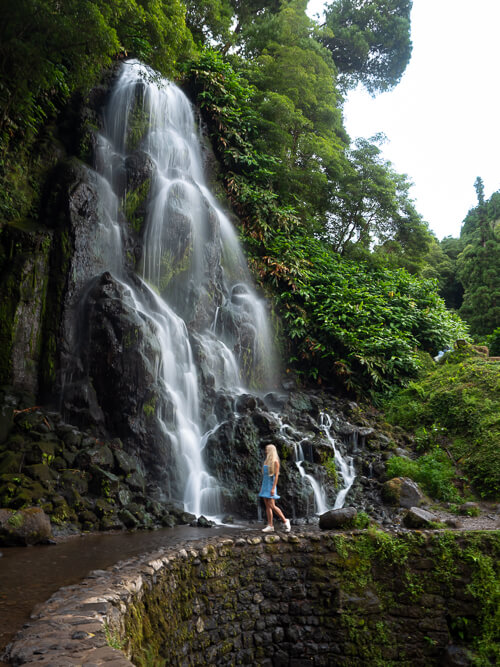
(433, 471)
(457, 405)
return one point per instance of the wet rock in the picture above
(266, 423)
(41, 472)
(74, 480)
(72, 438)
(136, 481)
(470, 509)
(203, 522)
(246, 403)
(167, 520)
(98, 454)
(275, 402)
(416, 517)
(339, 518)
(402, 491)
(139, 168)
(103, 482)
(128, 519)
(404, 453)
(88, 519)
(24, 527)
(126, 462)
(186, 518)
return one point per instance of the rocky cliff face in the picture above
(84, 334)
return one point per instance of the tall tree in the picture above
(297, 102)
(370, 203)
(370, 41)
(478, 265)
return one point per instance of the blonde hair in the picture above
(271, 458)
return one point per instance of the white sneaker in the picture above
(268, 529)
(288, 527)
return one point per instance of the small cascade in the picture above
(345, 466)
(319, 494)
(297, 440)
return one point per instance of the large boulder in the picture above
(24, 527)
(403, 492)
(339, 518)
(416, 517)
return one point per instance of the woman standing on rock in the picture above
(268, 489)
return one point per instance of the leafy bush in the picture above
(351, 321)
(434, 472)
(494, 343)
(457, 406)
(361, 520)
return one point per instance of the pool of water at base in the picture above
(29, 575)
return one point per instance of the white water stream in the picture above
(344, 466)
(178, 196)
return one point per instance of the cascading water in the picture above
(344, 465)
(297, 440)
(193, 275)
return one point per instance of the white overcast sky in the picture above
(443, 120)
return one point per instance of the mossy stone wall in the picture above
(324, 599)
(309, 598)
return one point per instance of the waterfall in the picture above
(191, 286)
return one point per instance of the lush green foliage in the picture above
(370, 203)
(350, 320)
(225, 102)
(433, 471)
(493, 342)
(468, 268)
(457, 405)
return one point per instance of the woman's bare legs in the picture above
(270, 508)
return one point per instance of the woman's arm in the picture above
(276, 475)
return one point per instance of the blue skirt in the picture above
(267, 485)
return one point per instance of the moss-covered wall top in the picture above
(368, 598)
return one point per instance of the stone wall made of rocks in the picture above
(327, 598)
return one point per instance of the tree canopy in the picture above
(369, 41)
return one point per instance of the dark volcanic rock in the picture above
(24, 527)
(402, 491)
(416, 517)
(340, 518)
